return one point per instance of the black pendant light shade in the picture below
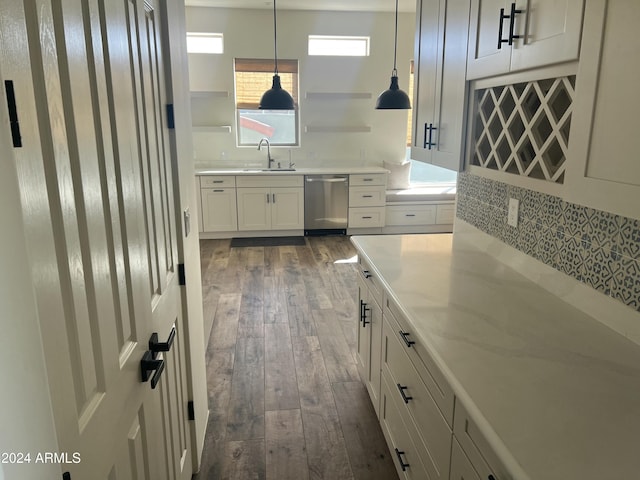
(394, 98)
(276, 98)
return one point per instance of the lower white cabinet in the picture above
(219, 212)
(369, 332)
(432, 441)
(400, 436)
(367, 200)
(461, 468)
(277, 208)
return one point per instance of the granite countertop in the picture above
(297, 171)
(556, 393)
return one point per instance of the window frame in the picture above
(339, 52)
(203, 35)
(266, 67)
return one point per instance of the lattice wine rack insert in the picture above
(524, 128)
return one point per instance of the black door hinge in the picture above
(190, 410)
(171, 121)
(182, 280)
(13, 114)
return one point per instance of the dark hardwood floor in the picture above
(285, 398)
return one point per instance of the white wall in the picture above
(249, 34)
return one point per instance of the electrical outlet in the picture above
(512, 217)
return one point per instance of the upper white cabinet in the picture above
(507, 36)
(440, 88)
(604, 171)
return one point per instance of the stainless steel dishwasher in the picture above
(326, 204)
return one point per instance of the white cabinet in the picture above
(219, 209)
(506, 36)
(440, 88)
(218, 203)
(369, 332)
(270, 202)
(461, 468)
(367, 200)
(415, 402)
(474, 448)
(604, 172)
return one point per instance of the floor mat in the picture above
(267, 241)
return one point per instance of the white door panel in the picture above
(96, 189)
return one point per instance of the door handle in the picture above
(405, 397)
(149, 364)
(273, 197)
(512, 23)
(155, 346)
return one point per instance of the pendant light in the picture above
(394, 98)
(276, 98)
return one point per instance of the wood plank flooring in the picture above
(285, 398)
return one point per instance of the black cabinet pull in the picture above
(16, 137)
(428, 135)
(404, 396)
(367, 196)
(155, 346)
(366, 273)
(218, 190)
(491, 477)
(404, 336)
(363, 313)
(409, 214)
(149, 364)
(403, 465)
(366, 216)
(512, 24)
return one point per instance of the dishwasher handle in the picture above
(326, 180)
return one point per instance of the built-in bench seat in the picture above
(424, 209)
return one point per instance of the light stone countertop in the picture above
(298, 171)
(556, 393)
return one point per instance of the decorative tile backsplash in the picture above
(597, 248)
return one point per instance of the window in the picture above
(339, 46)
(204, 43)
(253, 78)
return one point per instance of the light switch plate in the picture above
(512, 216)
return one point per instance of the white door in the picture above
(95, 179)
(287, 208)
(254, 208)
(484, 56)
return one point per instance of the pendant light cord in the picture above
(395, 46)
(275, 38)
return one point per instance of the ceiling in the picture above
(341, 5)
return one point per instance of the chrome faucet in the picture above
(269, 159)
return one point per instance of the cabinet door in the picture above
(363, 352)
(552, 30)
(254, 209)
(449, 115)
(287, 208)
(461, 468)
(425, 62)
(604, 172)
(484, 57)
(375, 356)
(219, 212)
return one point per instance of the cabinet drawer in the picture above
(461, 468)
(399, 436)
(474, 444)
(371, 280)
(416, 403)
(364, 217)
(411, 215)
(421, 360)
(445, 214)
(366, 196)
(268, 180)
(368, 179)
(215, 181)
